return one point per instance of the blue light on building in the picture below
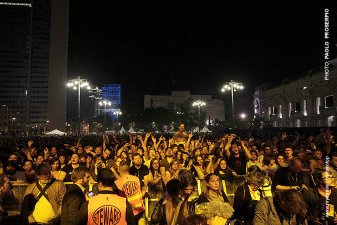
(112, 92)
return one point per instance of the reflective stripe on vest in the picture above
(130, 186)
(107, 209)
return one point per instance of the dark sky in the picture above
(154, 51)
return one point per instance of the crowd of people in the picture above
(284, 179)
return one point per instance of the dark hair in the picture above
(208, 177)
(151, 163)
(291, 201)
(318, 176)
(195, 219)
(106, 177)
(134, 155)
(53, 160)
(79, 173)
(187, 179)
(43, 169)
(174, 187)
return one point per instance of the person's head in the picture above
(185, 156)
(105, 178)
(81, 176)
(275, 150)
(39, 159)
(213, 182)
(295, 165)
(288, 152)
(88, 159)
(323, 178)
(181, 127)
(75, 159)
(63, 159)
(53, 151)
(174, 148)
(10, 167)
(123, 166)
(152, 153)
(280, 159)
(169, 152)
(291, 201)
(255, 177)
(154, 164)
(333, 161)
(137, 159)
(174, 165)
(98, 150)
(43, 173)
(253, 154)
(55, 164)
(13, 157)
(267, 150)
(178, 155)
(235, 149)
(188, 183)
(106, 153)
(223, 164)
(318, 154)
(174, 188)
(204, 150)
(80, 150)
(28, 165)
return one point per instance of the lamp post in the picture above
(117, 114)
(232, 86)
(77, 84)
(105, 103)
(199, 104)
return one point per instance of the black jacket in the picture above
(72, 202)
(244, 206)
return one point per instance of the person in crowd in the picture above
(43, 198)
(56, 171)
(236, 161)
(173, 171)
(139, 170)
(188, 182)
(288, 152)
(248, 194)
(63, 160)
(195, 219)
(212, 192)
(39, 159)
(224, 172)
(286, 208)
(129, 186)
(180, 137)
(290, 177)
(74, 196)
(322, 199)
(255, 160)
(169, 209)
(106, 207)
(15, 175)
(68, 169)
(156, 184)
(29, 171)
(317, 161)
(165, 163)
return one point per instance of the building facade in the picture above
(214, 108)
(306, 102)
(33, 63)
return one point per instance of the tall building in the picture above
(112, 93)
(33, 62)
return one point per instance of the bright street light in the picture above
(77, 84)
(105, 103)
(232, 86)
(243, 116)
(117, 114)
(199, 104)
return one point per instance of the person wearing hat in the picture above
(106, 207)
(48, 195)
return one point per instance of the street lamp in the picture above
(117, 114)
(105, 103)
(77, 84)
(232, 86)
(199, 104)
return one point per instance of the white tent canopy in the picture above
(205, 129)
(55, 132)
(122, 130)
(131, 130)
(196, 129)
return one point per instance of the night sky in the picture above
(154, 51)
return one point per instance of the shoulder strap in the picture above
(176, 214)
(43, 190)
